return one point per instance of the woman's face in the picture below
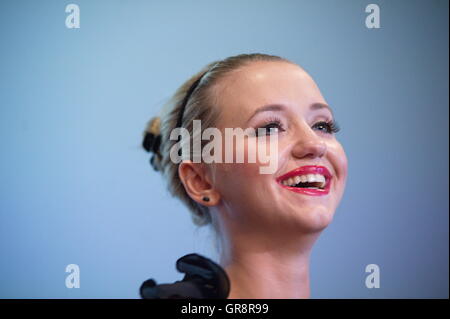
(256, 201)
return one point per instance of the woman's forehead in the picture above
(262, 73)
(266, 83)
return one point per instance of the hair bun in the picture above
(151, 142)
(152, 137)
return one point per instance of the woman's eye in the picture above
(327, 127)
(269, 129)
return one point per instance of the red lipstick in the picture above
(304, 170)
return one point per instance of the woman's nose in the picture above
(309, 144)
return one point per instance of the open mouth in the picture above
(310, 180)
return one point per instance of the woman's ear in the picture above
(197, 184)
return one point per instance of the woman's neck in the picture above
(267, 267)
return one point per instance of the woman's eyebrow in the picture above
(281, 107)
(318, 106)
(266, 108)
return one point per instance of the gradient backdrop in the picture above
(77, 188)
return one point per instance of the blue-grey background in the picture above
(75, 186)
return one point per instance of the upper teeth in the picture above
(310, 178)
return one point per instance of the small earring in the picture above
(206, 199)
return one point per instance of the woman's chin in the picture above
(314, 219)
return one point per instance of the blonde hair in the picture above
(199, 105)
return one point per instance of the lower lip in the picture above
(310, 191)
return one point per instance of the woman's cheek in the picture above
(338, 159)
(245, 176)
(246, 160)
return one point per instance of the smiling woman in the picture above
(267, 223)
